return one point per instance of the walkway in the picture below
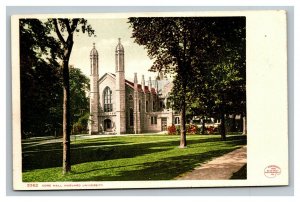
(33, 142)
(52, 139)
(220, 168)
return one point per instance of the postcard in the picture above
(149, 100)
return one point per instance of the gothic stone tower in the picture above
(120, 90)
(94, 125)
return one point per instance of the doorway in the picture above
(164, 124)
(107, 125)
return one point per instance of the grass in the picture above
(121, 158)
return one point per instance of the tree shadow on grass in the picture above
(58, 145)
(164, 169)
(216, 138)
(50, 155)
(97, 151)
(89, 153)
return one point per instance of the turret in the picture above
(94, 93)
(120, 90)
(119, 57)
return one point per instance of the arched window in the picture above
(107, 100)
(131, 117)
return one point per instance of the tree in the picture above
(171, 42)
(223, 68)
(68, 26)
(41, 81)
(79, 102)
(40, 78)
(207, 56)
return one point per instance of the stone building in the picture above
(119, 106)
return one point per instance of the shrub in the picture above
(211, 130)
(77, 128)
(81, 125)
(83, 120)
(172, 130)
(192, 129)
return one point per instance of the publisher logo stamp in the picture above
(272, 171)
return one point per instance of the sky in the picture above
(107, 32)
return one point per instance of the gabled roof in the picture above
(105, 75)
(140, 89)
(129, 83)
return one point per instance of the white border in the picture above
(266, 95)
(212, 192)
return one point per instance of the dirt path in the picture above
(220, 168)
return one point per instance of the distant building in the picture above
(119, 106)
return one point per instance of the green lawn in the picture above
(148, 157)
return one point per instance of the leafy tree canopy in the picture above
(41, 82)
(206, 56)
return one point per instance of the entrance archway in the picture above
(107, 125)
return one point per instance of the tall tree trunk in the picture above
(184, 68)
(182, 126)
(66, 119)
(68, 45)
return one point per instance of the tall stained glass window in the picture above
(107, 100)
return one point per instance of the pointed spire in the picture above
(94, 52)
(119, 46)
(143, 83)
(150, 83)
(135, 78)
